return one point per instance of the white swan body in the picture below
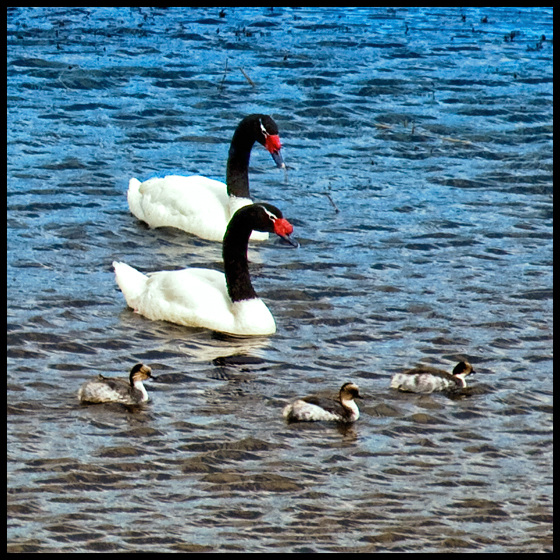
(203, 206)
(193, 297)
(192, 204)
(196, 297)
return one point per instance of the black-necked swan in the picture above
(129, 391)
(427, 379)
(203, 206)
(198, 297)
(315, 409)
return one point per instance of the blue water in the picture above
(419, 182)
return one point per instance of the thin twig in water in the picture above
(225, 72)
(332, 202)
(431, 135)
(247, 77)
(457, 140)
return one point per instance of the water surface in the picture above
(419, 146)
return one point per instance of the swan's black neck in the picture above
(260, 217)
(236, 265)
(237, 174)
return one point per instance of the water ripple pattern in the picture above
(419, 151)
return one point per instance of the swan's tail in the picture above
(133, 197)
(131, 282)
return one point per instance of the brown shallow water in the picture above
(419, 145)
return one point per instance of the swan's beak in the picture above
(289, 239)
(273, 145)
(283, 229)
(278, 159)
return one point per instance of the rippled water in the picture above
(419, 145)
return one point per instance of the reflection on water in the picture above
(419, 151)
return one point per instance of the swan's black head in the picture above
(261, 217)
(270, 219)
(265, 132)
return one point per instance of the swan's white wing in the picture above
(196, 297)
(194, 204)
(192, 297)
